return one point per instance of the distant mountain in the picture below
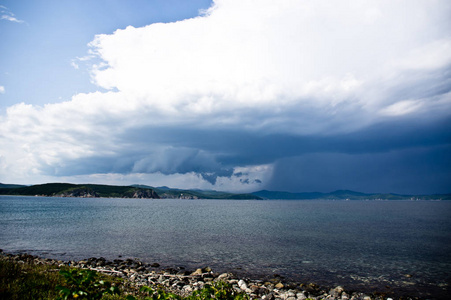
(113, 191)
(145, 191)
(345, 195)
(171, 193)
(80, 190)
(11, 186)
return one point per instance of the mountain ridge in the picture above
(345, 195)
(146, 191)
(79, 190)
(114, 191)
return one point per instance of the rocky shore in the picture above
(184, 282)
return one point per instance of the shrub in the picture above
(24, 281)
(84, 284)
(219, 290)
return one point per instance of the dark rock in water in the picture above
(155, 265)
(182, 273)
(100, 263)
(170, 270)
(313, 289)
(206, 269)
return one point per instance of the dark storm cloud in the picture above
(408, 171)
(237, 147)
(210, 102)
(382, 157)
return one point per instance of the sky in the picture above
(230, 95)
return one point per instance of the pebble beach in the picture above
(183, 282)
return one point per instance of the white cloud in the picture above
(2, 89)
(10, 18)
(430, 56)
(302, 67)
(7, 15)
(74, 65)
(289, 55)
(402, 108)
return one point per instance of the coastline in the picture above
(182, 281)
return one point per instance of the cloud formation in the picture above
(7, 15)
(246, 91)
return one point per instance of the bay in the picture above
(395, 246)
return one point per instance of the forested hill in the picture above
(80, 190)
(113, 191)
(144, 191)
(171, 193)
(346, 195)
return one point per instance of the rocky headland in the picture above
(136, 273)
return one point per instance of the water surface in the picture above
(394, 246)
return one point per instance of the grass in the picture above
(27, 280)
(24, 280)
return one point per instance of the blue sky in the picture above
(227, 94)
(39, 49)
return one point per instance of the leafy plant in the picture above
(219, 290)
(25, 281)
(84, 284)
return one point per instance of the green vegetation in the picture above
(216, 290)
(81, 284)
(144, 191)
(24, 281)
(21, 280)
(165, 192)
(78, 190)
(10, 186)
(113, 191)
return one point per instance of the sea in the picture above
(402, 248)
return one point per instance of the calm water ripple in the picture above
(398, 246)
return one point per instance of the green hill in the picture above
(114, 191)
(10, 186)
(80, 190)
(145, 191)
(169, 193)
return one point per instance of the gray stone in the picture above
(197, 272)
(242, 285)
(279, 286)
(301, 296)
(223, 276)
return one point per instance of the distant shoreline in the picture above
(149, 192)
